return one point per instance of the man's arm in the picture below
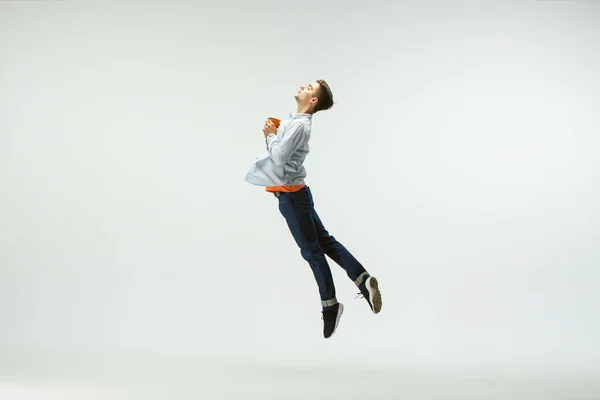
(281, 151)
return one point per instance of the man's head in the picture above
(314, 97)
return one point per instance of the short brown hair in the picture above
(324, 95)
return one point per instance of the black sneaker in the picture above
(331, 318)
(369, 289)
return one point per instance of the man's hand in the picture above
(269, 128)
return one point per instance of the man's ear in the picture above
(314, 100)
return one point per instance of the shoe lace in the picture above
(360, 294)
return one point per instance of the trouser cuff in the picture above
(361, 278)
(329, 303)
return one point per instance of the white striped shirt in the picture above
(286, 152)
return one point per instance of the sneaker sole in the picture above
(337, 319)
(374, 295)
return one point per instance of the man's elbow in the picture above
(279, 161)
(278, 158)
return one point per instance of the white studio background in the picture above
(459, 165)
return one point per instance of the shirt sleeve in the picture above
(280, 150)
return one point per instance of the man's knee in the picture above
(311, 251)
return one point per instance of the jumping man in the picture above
(281, 171)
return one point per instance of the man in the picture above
(281, 171)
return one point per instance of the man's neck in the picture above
(303, 110)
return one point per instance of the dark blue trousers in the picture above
(315, 242)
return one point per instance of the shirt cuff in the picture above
(269, 136)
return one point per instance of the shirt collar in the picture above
(301, 115)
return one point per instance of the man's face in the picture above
(307, 94)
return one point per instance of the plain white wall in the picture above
(459, 166)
